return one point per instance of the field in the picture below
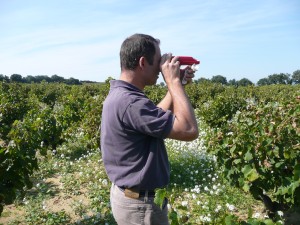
(248, 142)
(71, 189)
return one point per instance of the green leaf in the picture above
(250, 212)
(286, 155)
(253, 222)
(297, 172)
(248, 156)
(230, 220)
(174, 218)
(237, 161)
(268, 222)
(246, 187)
(250, 173)
(246, 169)
(277, 165)
(253, 175)
(160, 195)
(232, 149)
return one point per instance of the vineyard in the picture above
(243, 169)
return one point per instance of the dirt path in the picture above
(59, 202)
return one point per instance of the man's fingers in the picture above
(189, 75)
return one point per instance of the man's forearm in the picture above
(185, 123)
(166, 103)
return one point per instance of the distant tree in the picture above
(30, 79)
(281, 78)
(263, 81)
(296, 77)
(56, 78)
(244, 82)
(40, 78)
(219, 79)
(88, 82)
(72, 81)
(232, 82)
(162, 84)
(4, 78)
(108, 80)
(202, 80)
(16, 78)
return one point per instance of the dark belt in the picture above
(140, 193)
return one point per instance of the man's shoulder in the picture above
(121, 98)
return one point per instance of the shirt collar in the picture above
(123, 84)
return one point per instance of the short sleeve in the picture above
(144, 116)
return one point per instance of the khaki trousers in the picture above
(141, 211)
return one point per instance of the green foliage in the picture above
(203, 92)
(16, 78)
(159, 197)
(259, 150)
(296, 77)
(13, 106)
(244, 82)
(18, 158)
(219, 79)
(47, 93)
(252, 131)
(37, 215)
(221, 108)
(155, 93)
(39, 118)
(281, 78)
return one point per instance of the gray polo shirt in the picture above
(132, 133)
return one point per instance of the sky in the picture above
(82, 38)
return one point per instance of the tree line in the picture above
(41, 78)
(281, 78)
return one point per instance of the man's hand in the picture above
(186, 75)
(170, 68)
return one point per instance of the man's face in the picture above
(154, 70)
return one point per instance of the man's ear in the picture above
(142, 62)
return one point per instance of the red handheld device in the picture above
(188, 60)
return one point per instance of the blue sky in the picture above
(82, 38)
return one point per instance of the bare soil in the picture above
(59, 202)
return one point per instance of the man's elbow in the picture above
(184, 134)
(193, 134)
(190, 134)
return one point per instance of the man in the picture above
(133, 130)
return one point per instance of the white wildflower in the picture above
(256, 215)
(280, 213)
(218, 208)
(230, 207)
(11, 144)
(105, 182)
(184, 203)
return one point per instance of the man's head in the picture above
(135, 47)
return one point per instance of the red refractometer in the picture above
(188, 60)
